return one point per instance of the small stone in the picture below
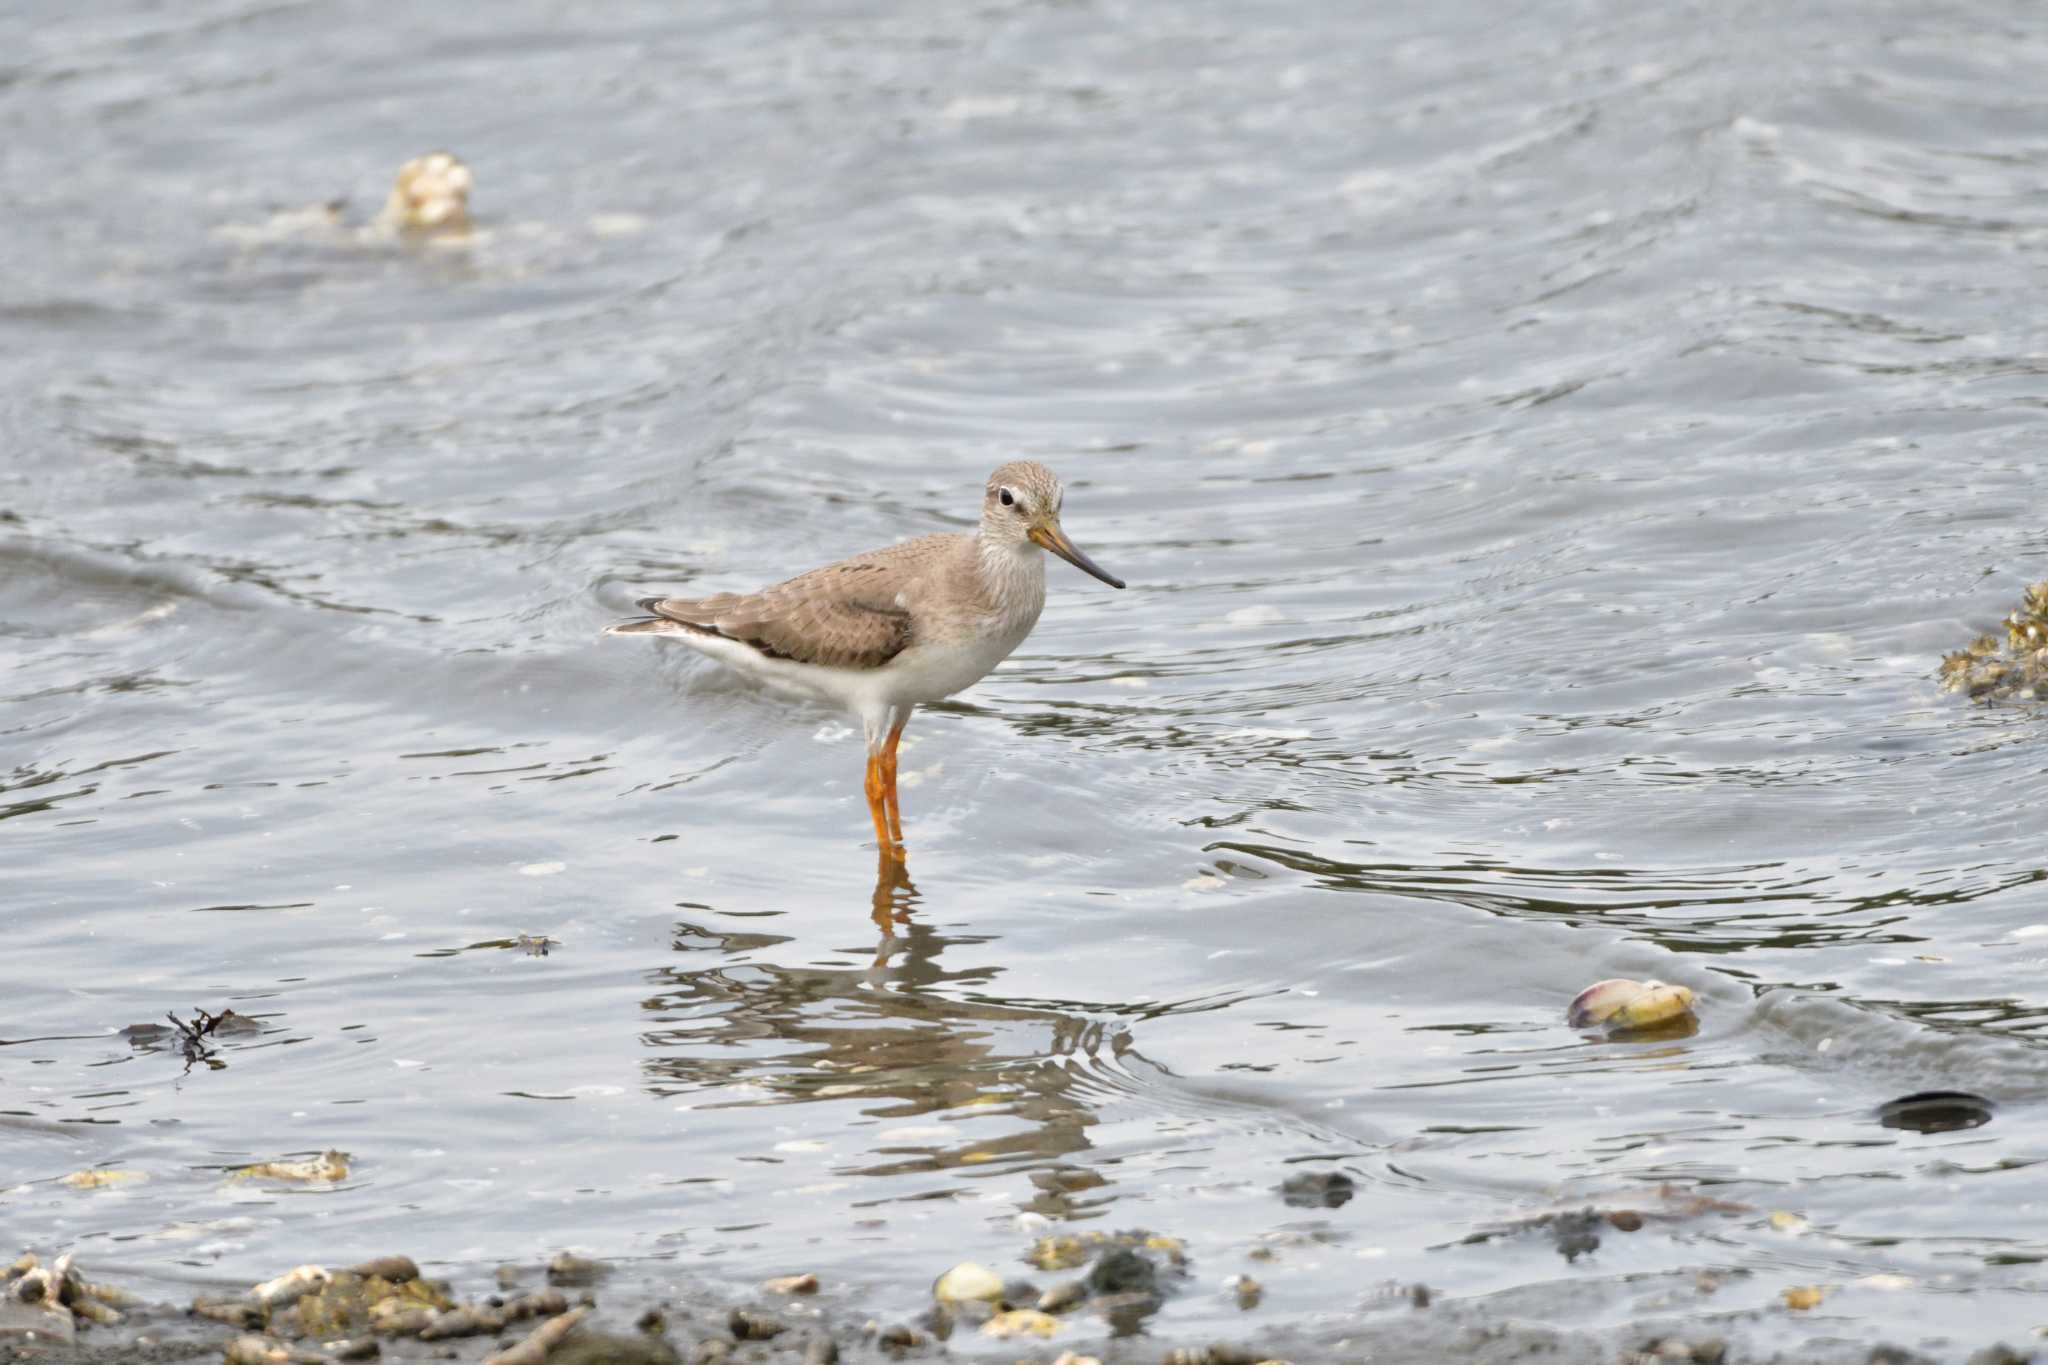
(821, 1351)
(354, 1348)
(1021, 1322)
(653, 1322)
(1999, 1354)
(509, 1276)
(712, 1350)
(1710, 1350)
(233, 1312)
(1626, 1220)
(1062, 1296)
(567, 1268)
(290, 1287)
(746, 1326)
(1802, 1297)
(397, 1269)
(968, 1283)
(897, 1337)
(792, 1284)
(1120, 1270)
(1069, 1358)
(1248, 1291)
(1318, 1190)
(1418, 1294)
(1058, 1253)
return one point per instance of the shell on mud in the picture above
(1619, 1004)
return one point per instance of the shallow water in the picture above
(1550, 450)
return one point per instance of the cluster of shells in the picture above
(2017, 667)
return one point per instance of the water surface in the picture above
(1550, 450)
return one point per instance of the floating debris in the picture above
(1576, 1231)
(1984, 671)
(1623, 1006)
(330, 1167)
(1936, 1111)
(535, 945)
(194, 1037)
(103, 1179)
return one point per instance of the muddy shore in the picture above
(621, 1315)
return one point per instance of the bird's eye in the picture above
(1007, 498)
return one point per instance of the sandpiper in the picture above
(883, 631)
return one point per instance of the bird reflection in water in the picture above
(899, 1036)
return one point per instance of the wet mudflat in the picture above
(1551, 454)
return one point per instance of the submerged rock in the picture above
(567, 1268)
(1318, 1190)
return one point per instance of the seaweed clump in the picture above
(1990, 670)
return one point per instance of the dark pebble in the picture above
(1318, 1190)
(1120, 1270)
(2000, 1354)
(746, 1326)
(1627, 1220)
(397, 1269)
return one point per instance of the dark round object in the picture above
(1317, 1190)
(1936, 1111)
(1120, 1270)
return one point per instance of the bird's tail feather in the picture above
(648, 625)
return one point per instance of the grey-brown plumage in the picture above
(845, 615)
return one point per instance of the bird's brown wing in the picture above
(841, 616)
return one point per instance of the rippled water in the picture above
(1550, 449)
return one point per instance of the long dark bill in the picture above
(1049, 536)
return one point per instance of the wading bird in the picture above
(882, 631)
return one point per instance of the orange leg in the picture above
(895, 811)
(874, 786)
